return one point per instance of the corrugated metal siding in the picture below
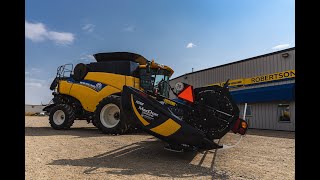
(251, 68)
(264, 114)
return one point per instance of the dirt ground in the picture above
(84, 153)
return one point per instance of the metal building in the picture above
(266, 83)
(33, 108)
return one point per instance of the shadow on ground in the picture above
(81, 132)
(146, 157)
(271, 133)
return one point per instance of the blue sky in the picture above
(182, 34)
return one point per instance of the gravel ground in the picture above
(84, 153)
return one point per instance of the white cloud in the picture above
(61, 37)
(87, 57)
(35, 70)
(32, 82)
(37, 95)
(190, 45)
(129, 29)
(281, 46)
(88, 27)
(37, 91)
(37, 32)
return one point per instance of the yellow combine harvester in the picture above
(123, 90)
(92, 91)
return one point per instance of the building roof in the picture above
(235, 62)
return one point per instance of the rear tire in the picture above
(107, 117)
(61, 117)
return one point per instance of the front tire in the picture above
(61, 117)
(107, 117)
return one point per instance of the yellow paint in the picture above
(167, 128)
(259, 79)
(272, 77)
(105, 92)
(115, 80)
(64, 87)
(143, 66)
(234, 82)
(85, 95)
(167, 101)
(137, 83)
(154, 65)
(130, 81)
(90, 98)
(246, 81)
(144, 122)
(218, 84)
(141, 60)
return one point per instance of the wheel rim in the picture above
(110, 115)
(59, 117)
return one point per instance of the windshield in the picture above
(161, 84)
(157, 81)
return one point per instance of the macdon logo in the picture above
(148, 112)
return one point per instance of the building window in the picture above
(248, 111)
(284, 112)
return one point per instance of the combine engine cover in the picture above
(189, 125)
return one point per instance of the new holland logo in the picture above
(88, 84)
(98, 86)
(92, 85)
